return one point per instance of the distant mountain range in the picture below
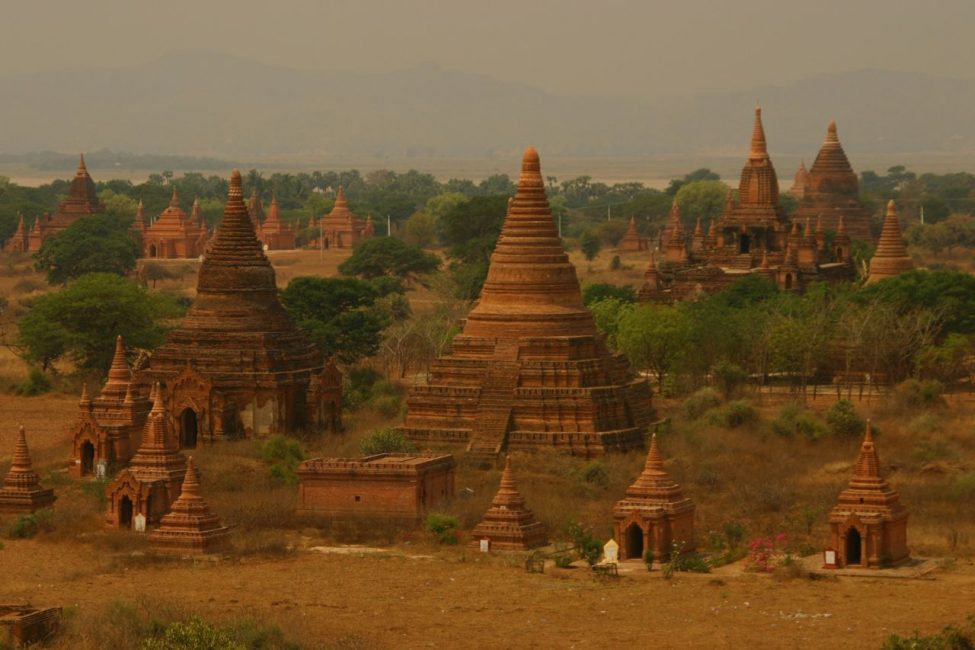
(221, 107)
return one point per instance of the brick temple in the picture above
(509, 525)
(190, 527)
(341, 228)
(274, 233)
(394, 486)
(82, 201)
(22, 492)
(752, 236)
(152, 481)
(654, 514)
(174, 234)
(891, 256)
(529, 370)
(830, 190)
(868, 522)
(236, 364)
(108, 430)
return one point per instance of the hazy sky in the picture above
(605, 46)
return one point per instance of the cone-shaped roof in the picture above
(508, 523)
(798, 188)
(274, 224)
(85, 401)
(868, 492)
(21, 461)
(158, 456)
(341, 216)
(140, 217)
(891, 256)
(119, 376)
(831, 159)
(653, 489)
(758, 189)
(759, 148)
(255, 208)
(531, 287)
(237, 325)
(196, 216)
(21, 230)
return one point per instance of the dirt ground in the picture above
(460, 599)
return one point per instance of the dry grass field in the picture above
(415, 593)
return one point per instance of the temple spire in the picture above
(759, 148)
(891, 256)
(21, 461)
(85, 401)
(174, 199)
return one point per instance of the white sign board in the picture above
(139, 523)
(485, 545)
(830, 557)
(101, 469)
(611, 552)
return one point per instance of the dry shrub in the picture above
(267, 543)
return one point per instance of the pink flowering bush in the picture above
(766, 553)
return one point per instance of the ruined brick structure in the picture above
(107, 432)
(752, 236)
(151, 482)
(80, 202)
(509, 525)
(383, 486)
(868, 522)
(255, 208)
(798, 189)
(174, 234)
(831, 190)
(190, 528)
(341, 228)
(891, 256)
(22, 492)
(632, 240)
(236, 364)
(529, 370)
(274, 233)
(22, 626)
(654, 514)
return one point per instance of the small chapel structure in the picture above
(190, 527)
(236, 364)
(341, 228)
(174, 234)
(654, 514)
(633, 241)
(868, 522)
(530, 370)
(273, 232)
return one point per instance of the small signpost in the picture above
(611, 552)
(139, 523)
(485, 545)
(829, 559)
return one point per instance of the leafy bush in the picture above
(648, 559)
(595, 473)
(950, 638)
(693, 562)
(385, 441)
(733, 414)
(592, 293)
(963, 486)
(442, 527)
(37, 383)
(284, 455)
(357, 386)
(192, 635)
(734, 533)
(27, 526)
(700, 402)
(728, 376)
(844, 420)
(913, 394)
(615, 264)
(792, 420)
(585, 543)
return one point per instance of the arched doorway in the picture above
(152, 250)
(840, 254)
(634, 542)
(788, 280)
(87, 458)
(125, 512)
(853, 555)
(744, 243)
(188, 427)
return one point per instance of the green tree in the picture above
(83, 319)
(701, 199)
(95, 244)
(654, 338)
(388, 256)
(600, 291)
(420, 229)
(590, 244)
(470, 230)
(338, 314)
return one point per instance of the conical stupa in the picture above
(22, 492)
(274, 233)
(891, 256)
(341, 228)
(654, 514)
(237, 364)
(530, 369)
(190, 527)
(832, 189)
(632, 241)
(19, 242)
(508, 524)
(868, 522)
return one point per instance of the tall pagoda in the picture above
(530, 370)
(236, 364)
(21, 491)
(831, 190)
(891, 256)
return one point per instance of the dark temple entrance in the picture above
(125, 513)
(188, 429)
(853, 555)
(634, 542)
(87, 458)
